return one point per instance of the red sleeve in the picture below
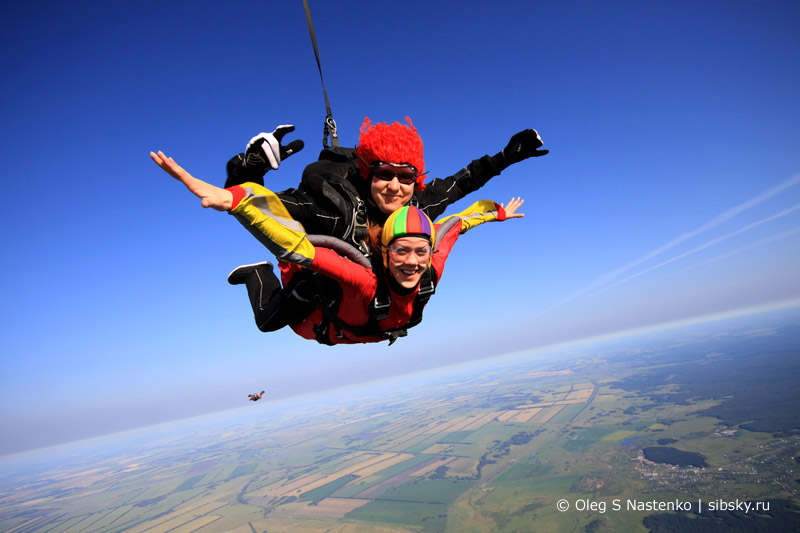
(443, 249)
(238, 195)
(346, 272)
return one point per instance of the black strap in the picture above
(331, 298)
(330, 124)
(379, 309)
(427, 287)
(360, 233)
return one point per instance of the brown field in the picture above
(289, 487)
(181, 524)
(400, 478)
(448, 425)
(386, 463)
(375, 463)
(189, 519)
(570, 402)
(433, 428)
(313, 484)
(582, 394)
(436, 449)
(525, 415)
(481, 421)
(201, 503)
(205, 509)
(464, 424)
(506, 415)
(196, 524)
(408, 436)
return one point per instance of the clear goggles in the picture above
(399, 251)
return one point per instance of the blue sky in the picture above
(671, 189)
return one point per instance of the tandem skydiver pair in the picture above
(358, 253)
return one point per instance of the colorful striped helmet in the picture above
(408, 221)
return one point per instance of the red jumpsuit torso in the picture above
(359, 284)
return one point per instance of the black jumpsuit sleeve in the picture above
(440, 193)
(303, 205)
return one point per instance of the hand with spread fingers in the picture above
(210, 195)
(511, 208)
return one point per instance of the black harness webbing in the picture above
(330, 124)
(379, 309)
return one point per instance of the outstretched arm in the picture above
(210, 195)
(440, 193)
(257, 208)
(480, 212)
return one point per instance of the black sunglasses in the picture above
(407, 175)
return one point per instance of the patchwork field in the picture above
(499, 447)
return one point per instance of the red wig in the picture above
(391, 143)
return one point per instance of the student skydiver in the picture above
(412, 251)
(255, 397)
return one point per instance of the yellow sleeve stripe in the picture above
(265, 216)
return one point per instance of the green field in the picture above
(429, 516)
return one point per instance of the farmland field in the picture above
(554, 439)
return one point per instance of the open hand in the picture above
(210, 195)
(513, 205)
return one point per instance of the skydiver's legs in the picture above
(263, 290)
(275, 307)
(299, 298)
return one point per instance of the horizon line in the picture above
(700, 319)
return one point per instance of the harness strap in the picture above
(360, 230)
(427, 287)
(330, 297)
(360, 233)
(379, 310)
(330, 124)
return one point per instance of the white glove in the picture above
(266, 148)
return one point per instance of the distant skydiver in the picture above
(349, 192)
(361, 301)
(255, 397)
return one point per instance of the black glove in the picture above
(523, 145)
(266, 149)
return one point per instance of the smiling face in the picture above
(408, 259)
(391, 195)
